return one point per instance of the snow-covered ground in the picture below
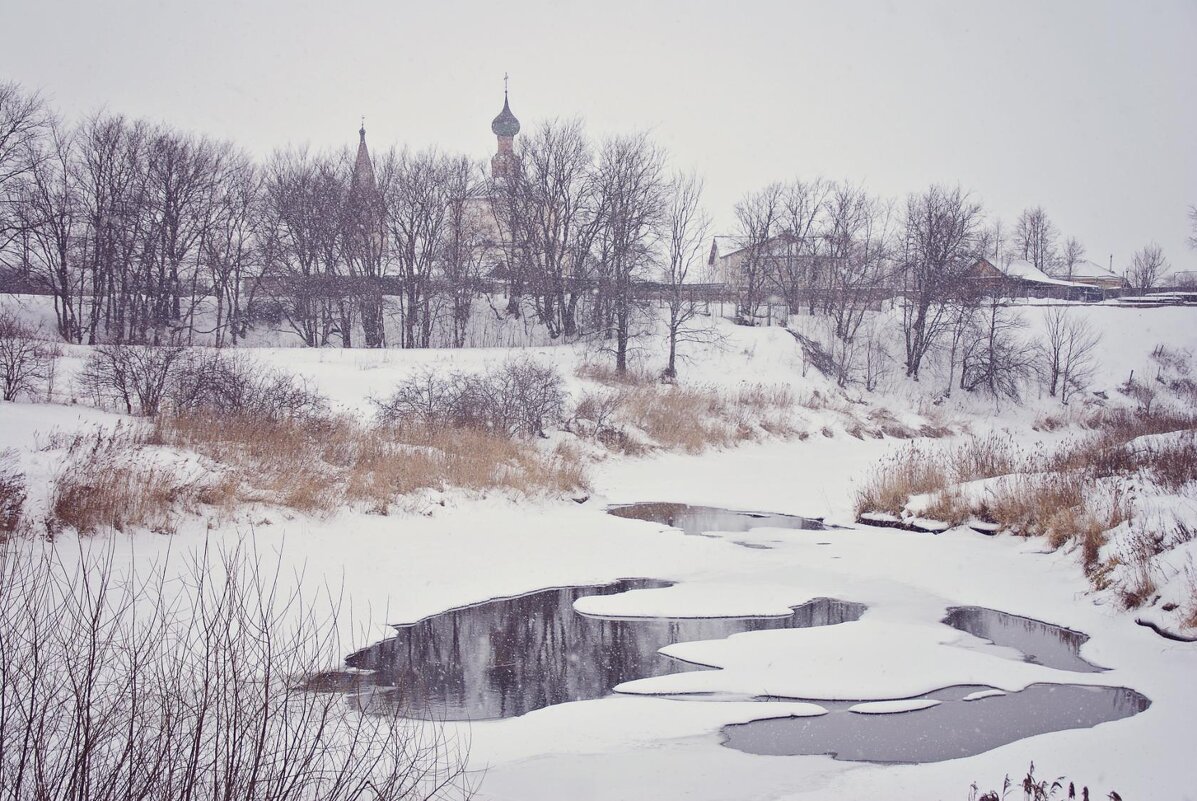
(460, 549)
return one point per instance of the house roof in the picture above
(1025, 271)
(723, 246)
(1091, 269)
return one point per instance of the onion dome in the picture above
(505, 124)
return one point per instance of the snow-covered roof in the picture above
(1025, 271)
(1091, 269)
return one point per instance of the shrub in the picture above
(519, 397)
(596, 411)
(126, 685)
(232, 383)
(26, 359)
(135, 377)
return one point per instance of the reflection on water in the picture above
(1041, 643)
(704, 519)
(509, 656)
(953, 729)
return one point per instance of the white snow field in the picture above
(455, 548)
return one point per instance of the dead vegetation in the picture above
(314, 465)
(1074, 496)
(632, 415)
(12, 494)
(225, 431)
(319, 464)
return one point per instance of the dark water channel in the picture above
(953, 729)
(956, 727)
(1041, 643)
(701, 520)
(510, 656)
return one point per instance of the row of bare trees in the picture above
(143, 234)
(834, 250)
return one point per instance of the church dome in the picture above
(505, 124)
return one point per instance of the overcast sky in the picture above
(1087, 108)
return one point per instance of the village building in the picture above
(1092, 273)
(1019, 278)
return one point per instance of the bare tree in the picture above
(550, 212)
(1072, 255)
(687, 230)
(857, 264)
(629, 181)
(182, 175)
(1035, 238)
(465, 246)
(26, 359)
(233, 250)
(1148, 268)
(939, 245)
(24, 121)
(995, 358)
(797, 268)
(419, 205)
(303, 236)
(760, 223)
(993, 244)
(52, 213)
(111, 177)
(1193, 221)
(1067, 357)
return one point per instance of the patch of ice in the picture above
(894, 707)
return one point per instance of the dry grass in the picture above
(693, 419)
(913, 470)
(318, 465)
(90, 495)
(1037, 505)
(1190, 618)
(314, 465)
(606, 374)
(106, 482)
(12, 494)
(1050, 495)
(635, 413)
(949, 506)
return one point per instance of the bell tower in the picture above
(505, 127)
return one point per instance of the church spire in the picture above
(363, 184)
